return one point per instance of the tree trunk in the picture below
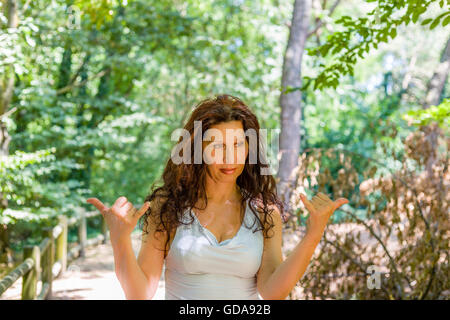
(6, 94)
(7, 84)
(437, 82)
(291, 102)
(433, 98)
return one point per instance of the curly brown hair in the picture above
(184, 184)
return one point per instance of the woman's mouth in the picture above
(228, 171)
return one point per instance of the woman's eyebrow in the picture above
(238, 138)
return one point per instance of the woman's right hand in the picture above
(121, 218)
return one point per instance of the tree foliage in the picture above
(360, 35)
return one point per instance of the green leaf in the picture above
(438, 19)
(407, 20)
(393, 33)
(344, 19)
(446, 21)
(426, 21)
(435, 23)
(324, 49)
(415, 16)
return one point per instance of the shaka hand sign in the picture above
(121, 218)
(320, 210)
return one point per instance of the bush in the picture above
(397, 220)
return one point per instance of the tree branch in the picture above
(372, 232)
(7, 113)
(320, 23)
(74, 85)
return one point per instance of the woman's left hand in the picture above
(320, 210)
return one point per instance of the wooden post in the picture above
(82, 231)
(61, 244)
(30, 279)
(104, 230)
(47, 259)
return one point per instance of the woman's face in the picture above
(225, 150)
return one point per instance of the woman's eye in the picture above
(218, 145)
(240, 144)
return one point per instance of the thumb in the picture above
(339, 202)
(306, 202)
(143, 209)
(98, 204)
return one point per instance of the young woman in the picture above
(210, 220)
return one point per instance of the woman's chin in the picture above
(227, 179)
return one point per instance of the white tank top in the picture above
(198, 267)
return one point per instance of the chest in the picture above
(195, 252)
(221, 223)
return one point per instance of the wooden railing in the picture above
(49, 259)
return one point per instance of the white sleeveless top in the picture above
(198, 267)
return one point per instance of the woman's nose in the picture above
(229, 155)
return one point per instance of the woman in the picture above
(210, 220)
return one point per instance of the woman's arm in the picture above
(138, 277)
(277, 284)
(286, 275)
(131, 277)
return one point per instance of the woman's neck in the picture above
(222, 192)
